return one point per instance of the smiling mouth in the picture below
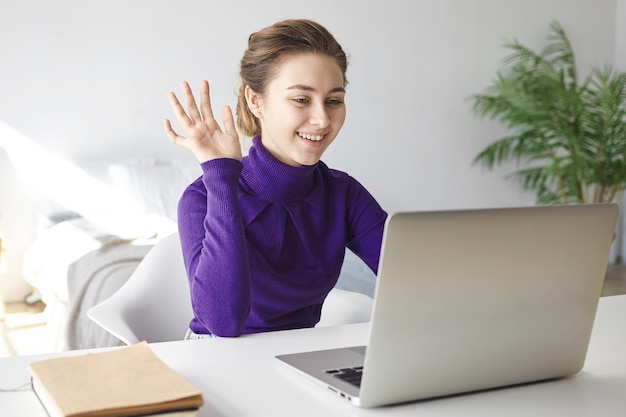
(313, 138)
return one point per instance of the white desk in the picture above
(240, 377)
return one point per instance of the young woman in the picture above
(264, 236)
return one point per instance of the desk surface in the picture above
(240, 377)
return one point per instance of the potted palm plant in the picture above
(567, 134)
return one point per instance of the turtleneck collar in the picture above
(272, 179)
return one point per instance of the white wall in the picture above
(88, 78)
(620, 35)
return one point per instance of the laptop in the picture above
(475, 299)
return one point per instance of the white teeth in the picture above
(308, 136)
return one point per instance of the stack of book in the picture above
(129, 381)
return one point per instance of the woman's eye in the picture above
(301, 100)
(334, 102)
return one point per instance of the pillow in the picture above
(154, 186)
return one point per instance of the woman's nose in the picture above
(319, 116)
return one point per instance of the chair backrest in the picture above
(345, 307)
(155, 305)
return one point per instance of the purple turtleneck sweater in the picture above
(263, 242)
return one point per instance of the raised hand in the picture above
(205, 138)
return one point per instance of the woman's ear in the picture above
(254, 101)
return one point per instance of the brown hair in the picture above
(269, 48)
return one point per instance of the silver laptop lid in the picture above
(475, 299)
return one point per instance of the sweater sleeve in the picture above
(214, 249)
(366, 222)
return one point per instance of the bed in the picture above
(79, 259)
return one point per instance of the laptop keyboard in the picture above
(350, 375)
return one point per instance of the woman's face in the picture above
(302, 109)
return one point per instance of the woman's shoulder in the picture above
(344, 186)
(333, 173)
(337, 176)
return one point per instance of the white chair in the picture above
(155, 305)
(345, 307)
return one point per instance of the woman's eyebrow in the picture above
(308, 88)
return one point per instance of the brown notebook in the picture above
(128, 381)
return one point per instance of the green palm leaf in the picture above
(570, 134)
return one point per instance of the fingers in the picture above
(228, 120)
(190, 102)
(205, 101)
(198, 123)
(192, 115)
(167, 126)
(179, 111)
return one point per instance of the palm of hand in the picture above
(205, 138)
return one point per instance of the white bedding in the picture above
(80, 262)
